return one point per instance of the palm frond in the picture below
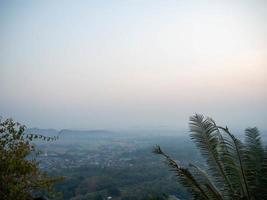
(231, 167)
(184, 175)
(238, 170)
(261, 191)
(236, 154)
(226, 152)
(205, 134)
(254, 155)
(204, 179)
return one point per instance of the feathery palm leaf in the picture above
(234, 163)
(254, 155)
(205, 180)
(238, 170)
(206, 136)
(184, 175)
(261, 190)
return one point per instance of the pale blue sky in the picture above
(120, 64)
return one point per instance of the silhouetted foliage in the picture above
(236, 170)
(20, 177)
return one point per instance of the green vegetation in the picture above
(20, 177)
(98, 165)
(140, 182)
(236, 170)
(94, 164)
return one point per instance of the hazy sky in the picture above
(133, 63)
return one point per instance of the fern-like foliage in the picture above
(184, 175)
(211, 190)
(206, 136)
(236, 170)
(254, 165)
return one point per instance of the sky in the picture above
(133, 63)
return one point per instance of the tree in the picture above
(98, 197)
(236, 170)
(114, 192)
(20, 177)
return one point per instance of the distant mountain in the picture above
(44, 132)
(90, 132)
(67, 134)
